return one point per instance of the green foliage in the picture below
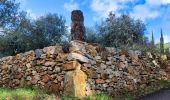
(123, 30)
(92, 36)
(153, 41)
(50, 28)
(22, 33)
(8, 12)
(161, 43)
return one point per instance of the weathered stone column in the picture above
(74, 80)
(77, 25)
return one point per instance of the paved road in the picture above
(160, 95)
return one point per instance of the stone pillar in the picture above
(75, 84)
(77, 25)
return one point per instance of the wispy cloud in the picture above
(69, 6)
(31, 14)
(22, 3)
(103, 7)
(150, 9)
(144, 12)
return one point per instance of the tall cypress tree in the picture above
(162, 42)
(153, 41)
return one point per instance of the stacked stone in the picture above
(77, 25)
(106, 69)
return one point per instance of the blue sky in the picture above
(155, 13)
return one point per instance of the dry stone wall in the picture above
(86, 69)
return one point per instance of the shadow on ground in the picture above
(163, 94)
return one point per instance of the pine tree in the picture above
(162, 42)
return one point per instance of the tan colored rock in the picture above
(72, 65)
(77, 45)
(163, 58)
(55, 88)
(122, 58)
(90, 73)
(45, 78)
(40, 62)
(81, 58)
(75, 84)
(163, 75)
(28, 65)
(62, 56)
(4, 67)
(114, 79)
(104, 76)
(91, 50)
(19, 76)
(51, 50)
(59, 78)
(100, 81)
(50, 63)
(28, 83)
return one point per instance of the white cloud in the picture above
(31, 14)
(69, 6)
(103, 7)
(144, 12)
(22, 3)
(157, 2)
(149, 10)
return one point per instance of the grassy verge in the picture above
(38, 94)
(23, 93)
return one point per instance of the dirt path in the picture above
(160, 95)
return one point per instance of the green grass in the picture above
(23, 93)
(98, 97)
(33, 93)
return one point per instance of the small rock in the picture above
(98, 58)
(48, 63)
(28, 65)
(72, 65)
(77, 56)
(103, 66)
(45, 78)
(90, 73)
(100, 81)
(77, 46)
(38, 53)
(34, 72)
(29, 78)
(57, 69)
(108, 63)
